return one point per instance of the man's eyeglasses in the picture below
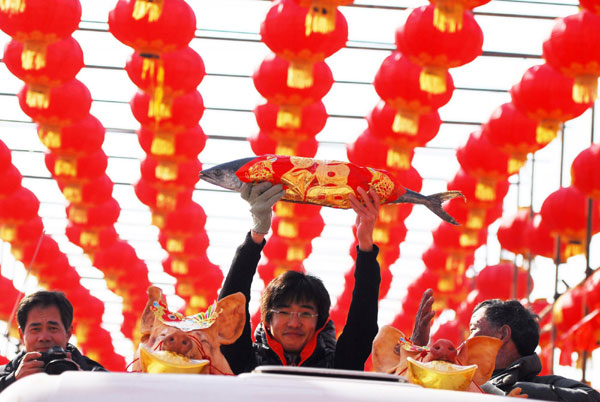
(302, 315)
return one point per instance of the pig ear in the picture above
(386, 351)
(232, 317)
(154, 294)
(482, 351)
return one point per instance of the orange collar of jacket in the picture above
(306, 352)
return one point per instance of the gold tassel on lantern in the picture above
(289, 116)
(174, 245)
(284, 209)
(33, 56)
(163, 143)
(197, 303)
(381, 235)
(585, 89)
(179, 267)
(287, 229)
(158, 220)
(50, 136)
(153, 68)
(165, 200)
(300, 74)
(398, 159)
(546, 131)
(72, 192)
(320, 18)
(12, 7)
(151, 8)
(388, 213)
(295, 253)
(38, 97)
(405, 122)
(433, 80)
(285, 148)
(166, 171)
(78, 214)
(468, 238)
(88, 239)
(515, 163)
(446, 283)
(8, 233)
(65, 165)
(448, 16)
(475, 219)
(485, 190)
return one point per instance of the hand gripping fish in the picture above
(325, 183)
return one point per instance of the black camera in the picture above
(55, 361)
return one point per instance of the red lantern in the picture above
(584, 171)
(381, 124)
(565, 212)
(542, 242)
(20, 206)
(513, 133)
(288, 250)
(497, 282)
(397, 83)
(545, 95)
(472, 215)
(182, 71)
(63, 60)
(105, 214)
(178, 172)
(153, 27)
(22, 232)
(61, 105)
(272, 269)
(573, 48)
(284, 32)
(187, 144)
(371, 151)
(513, 232)
(263, 143)
(162, 199)
(270, 80)
(437, 259)
(175, 243)
(436, 50)
(11, 180)
(38, 23)
(312, 119)
(568, 309)
(591, 5)
(69, 166)
(94, 191)
(298, 228)
(479, 193)
(188, 219)
(482, 160)
(455, 240)
(180, 113)
(91, 239)
(448, 14)
(85, 135)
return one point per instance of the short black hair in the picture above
(45, 298)
(525, 330)
(295, 287)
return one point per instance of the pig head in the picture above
(197, 344)
(392, 355)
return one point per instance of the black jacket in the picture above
(8, 371)
(351, 349)
(524, 372)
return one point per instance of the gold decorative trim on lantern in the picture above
(163, 144)
(321, 17)
(448, 15)
(485, 190)
(295, 253)
(398, 159)
(179, 266)
(406, 122)
(8, 233)
(300, 74)
(175, 245)
(166, 170)
(151, 8)
(433, 79)
(287, 228)
(33, 56)
(78, 214)
(546, 131)
(65, 165)
(89, 239)
(50, 136)
(37, 97)
(289, 116)
(585, 88)
(12, 7)
(73, 192)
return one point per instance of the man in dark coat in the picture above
(517, 364)
(45, 321)
(295, 328)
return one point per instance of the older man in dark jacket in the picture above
(45, 322)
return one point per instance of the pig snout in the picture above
(177, 342)
(442, 349)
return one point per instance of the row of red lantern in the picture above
(60, 105)
(169, 109)
(21, 226)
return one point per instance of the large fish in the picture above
(325, 183)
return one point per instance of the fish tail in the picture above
(434, 203)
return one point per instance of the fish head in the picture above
(224, 175)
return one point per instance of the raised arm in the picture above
(355, 342)
(425, 314)
(261, 198)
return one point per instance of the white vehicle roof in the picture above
(299, 386)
